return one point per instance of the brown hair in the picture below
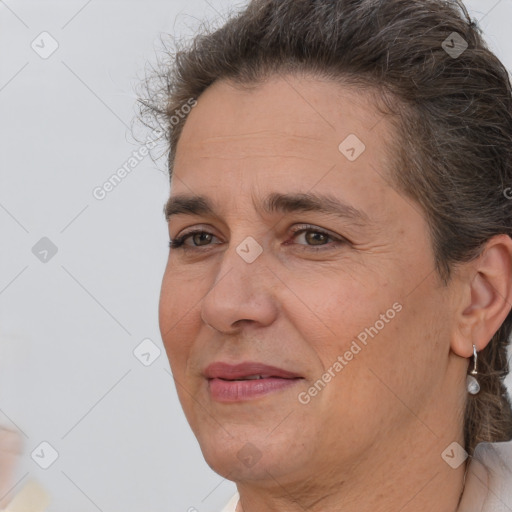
(454, 147)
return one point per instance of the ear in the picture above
(486, 289)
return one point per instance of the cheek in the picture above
(178, 295)
(332, 310)
(367, 326)
(176, 312)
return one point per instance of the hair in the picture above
(452, 113)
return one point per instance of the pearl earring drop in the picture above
(471, 382)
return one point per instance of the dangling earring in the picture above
(471, 382)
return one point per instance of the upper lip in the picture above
(221, 370)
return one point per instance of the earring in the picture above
(471, 382)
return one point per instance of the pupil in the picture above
(315, 234)
(201, 235)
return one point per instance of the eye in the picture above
(315, 238)
(202, 236)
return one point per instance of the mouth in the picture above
(252, 377)
(246, 381)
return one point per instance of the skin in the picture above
(397, 405)
(10, 451)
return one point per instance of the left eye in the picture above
(313, 235)
(315, 238)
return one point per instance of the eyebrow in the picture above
(185, 204)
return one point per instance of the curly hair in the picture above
(450, 100)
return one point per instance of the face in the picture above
(343, 301)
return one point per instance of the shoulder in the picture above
(488, 485)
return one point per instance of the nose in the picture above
(243, 292)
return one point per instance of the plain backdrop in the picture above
(79, 276)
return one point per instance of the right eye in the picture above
(179, 242)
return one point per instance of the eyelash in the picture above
(178, 243)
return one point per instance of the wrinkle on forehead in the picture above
(261, 143)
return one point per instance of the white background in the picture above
(68, 327)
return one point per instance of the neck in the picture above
(403, 485)
(407, 475)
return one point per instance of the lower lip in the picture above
(240, 390)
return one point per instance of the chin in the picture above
(246, 455)
(227, 464)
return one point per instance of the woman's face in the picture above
(353, 307)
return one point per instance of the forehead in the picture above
(284, 136)
(284, 117)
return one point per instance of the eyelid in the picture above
(311, 227)
(195, 228)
